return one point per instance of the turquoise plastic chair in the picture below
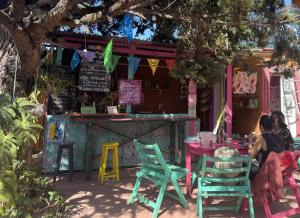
(296, 145)
(155, 169)
(214, 183)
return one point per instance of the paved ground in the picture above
(110, 199)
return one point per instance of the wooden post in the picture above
(228, 110)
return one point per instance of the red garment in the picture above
(270, 176)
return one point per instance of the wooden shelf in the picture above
(154, 89)
(245, 107)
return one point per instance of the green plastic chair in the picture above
(214, 183)
(155, 169)
(296, 145)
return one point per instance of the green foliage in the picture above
(23, 191)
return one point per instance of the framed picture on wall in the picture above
(56, 130)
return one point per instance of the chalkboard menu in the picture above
(62, 102)
(130, 91)
(92, 76)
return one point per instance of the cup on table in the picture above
(229, 141)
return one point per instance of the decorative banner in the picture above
(130, 91)
(88, 55)
(58, 56)
(133, 63)
(126, 27)
(153, 64)
(170, 64)
(107, 54)
(75, 60)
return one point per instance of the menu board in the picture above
(130, 91)
(92, 76)
(62, 102)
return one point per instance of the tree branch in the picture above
(5, 20)
(117, 8)
(61, 10)
(17, 9)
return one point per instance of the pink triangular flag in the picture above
(170, 64)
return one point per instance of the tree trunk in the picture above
(19, 57)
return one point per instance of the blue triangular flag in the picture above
(133, 63)
(126, 27)
(75, 60)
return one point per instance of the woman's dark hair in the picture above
(280, 117)
(266, 122)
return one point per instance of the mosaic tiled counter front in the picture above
(93, 132)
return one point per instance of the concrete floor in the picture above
(110, 199)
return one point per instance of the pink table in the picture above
(201, 150)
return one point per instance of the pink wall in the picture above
(228, 110)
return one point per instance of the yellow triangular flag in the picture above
(153, 64)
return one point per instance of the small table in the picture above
(201, 150)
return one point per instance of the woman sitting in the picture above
(280, 129)
(265, 143)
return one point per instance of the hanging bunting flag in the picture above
(88, 55)
(114, 62)
(133, 63)
(153, 64)
(75, 60)
(58, 58)
(126, 26)
(170, 64)
(107, 54)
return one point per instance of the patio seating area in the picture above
(111, 199)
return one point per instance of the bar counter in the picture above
(90, 131)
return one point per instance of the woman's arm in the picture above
(253, 150)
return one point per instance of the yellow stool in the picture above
(114, 174)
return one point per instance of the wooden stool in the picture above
(114, 174)
(69, 147)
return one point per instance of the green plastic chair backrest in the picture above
(150, 156)
(296, 145)
(241, 171)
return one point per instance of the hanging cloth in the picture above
(126, 27)
(107, 56)
(88, 55)
(58, 58)
(170, 64)
(133, 63)
(75, 60)
(153, 64)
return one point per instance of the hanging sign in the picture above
(130, 91)
(244, 83)
(170, 64)
(153, 64)
(92, 76)
(88, 55)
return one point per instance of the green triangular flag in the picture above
(114, 62)
(107, 55)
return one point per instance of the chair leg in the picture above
(196, 171)
(116, 163)
(135, 189)
(71, 163)
(103, 166)
(57, 166)
(294, 186)
(251, 208)
(160, 197)
(199, 201)
(238, 206)
(266, 208)
(179, 192)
